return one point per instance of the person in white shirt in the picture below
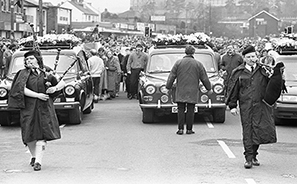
(96, 66)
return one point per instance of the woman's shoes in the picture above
(37, 166)
(32, 161)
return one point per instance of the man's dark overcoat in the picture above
(37, 118)
(256, 116)
(188, 72)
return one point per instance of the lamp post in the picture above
(40, 18)
(12, 20)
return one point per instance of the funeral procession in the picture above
(148, 91)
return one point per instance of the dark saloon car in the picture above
(286, 105)
(155, 100)
(76, 97)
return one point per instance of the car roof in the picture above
(181, 49)
(20, 53)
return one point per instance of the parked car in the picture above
(155, 100)
(286, 105)
(76, 97)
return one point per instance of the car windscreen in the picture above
(290, 71)
(48, 60)
(163, 63)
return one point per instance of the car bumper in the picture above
(169, 106)
(66, 105)
(4, 108)
(285, 111)
(58, 106)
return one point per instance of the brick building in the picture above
(262, 24)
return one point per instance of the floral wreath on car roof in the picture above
(284, 44)
(179, 39)
(48, 40)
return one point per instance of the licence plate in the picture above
(175, 110)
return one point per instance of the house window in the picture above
(89, 17)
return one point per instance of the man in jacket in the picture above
(96, 68)
(230, 61)
(248, 83)
(188, 73)
(136, 63)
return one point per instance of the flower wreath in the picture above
(51, 40)
(179, 39)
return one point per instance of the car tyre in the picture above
(89, 109)
(75, 116)
(219, 115)
(148, 116)
(277, 121)
(5, 119)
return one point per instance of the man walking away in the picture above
(96, 68)
(188, 73)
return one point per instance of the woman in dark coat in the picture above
(248, 83)
(113, 70)
(30, 93)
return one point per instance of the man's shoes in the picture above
(255, 162)
(190, 132)
(248, 164)
(37, 166)
(180, 132)
(32, 161)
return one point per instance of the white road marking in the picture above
(250, 181)
(210, 125)
(226, 149)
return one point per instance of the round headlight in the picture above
(150, 89)
(218, 89)
(164, 98)
(3, 92)
(69, 90)
(204, 98)
(164, 90)
(203, 89)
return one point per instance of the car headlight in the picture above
(204, 98)
(218, 89)
(163, 89)
(3, 92)
(150, 89)
(203, 89)
(288, 98)
(164, 98)
(69, 90)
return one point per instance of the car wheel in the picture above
(5, 119)
(89, 109)
(148, 115)
(219, 115)
(277, 121)
(75, 116)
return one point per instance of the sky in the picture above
(113, 6)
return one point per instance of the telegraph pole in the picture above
(12, 20)
(40, 18)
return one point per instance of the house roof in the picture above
(32, 3)
(83, 8)
(263, 11)
(129, 14)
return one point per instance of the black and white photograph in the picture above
(148, 91)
